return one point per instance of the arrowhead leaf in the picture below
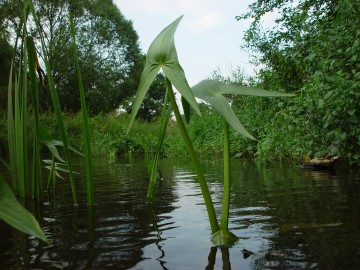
(162, 55)
(212, 92)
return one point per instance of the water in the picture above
(290, 218)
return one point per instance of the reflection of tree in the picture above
(263, 201)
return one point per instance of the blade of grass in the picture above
(37, 188)
(11, 132)
(88, 161)
(56, 104)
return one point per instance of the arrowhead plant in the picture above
(212, 92)
(162, 55)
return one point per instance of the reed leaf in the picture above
(56, 103)
(87, 144)
(36, 162)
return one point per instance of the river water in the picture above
(289, 218)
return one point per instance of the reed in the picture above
(85, 127)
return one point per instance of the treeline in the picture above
(313, 51)
(110, 57)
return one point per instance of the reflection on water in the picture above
(285, 217)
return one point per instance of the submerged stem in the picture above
(224, 223)
(195, 161)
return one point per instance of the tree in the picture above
(6, 54)
(313, 51)
(109, 52)
(153, 102)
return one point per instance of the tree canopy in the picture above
(109, 52)
(314, 51)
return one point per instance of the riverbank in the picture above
(109, 136)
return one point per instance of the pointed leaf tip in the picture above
(162, 55)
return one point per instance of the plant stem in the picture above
(88, 158)
(165, 115)
(224, 223)
(195, 161)
(56, 104)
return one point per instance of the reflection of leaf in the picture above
(13, 213)
(212, 92)
(162, 55)
(224, 238)
(300, 226)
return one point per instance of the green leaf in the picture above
(212, 92)
(162, 55)
(13, 213)
(224, 238)
(186, 108)
(51, 144)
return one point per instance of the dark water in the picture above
(290, 218)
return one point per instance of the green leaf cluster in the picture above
(313, 51)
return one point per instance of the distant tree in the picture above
(6, 54)
(152, 104)
(110, 57)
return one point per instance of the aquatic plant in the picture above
(85, 126)
(18, 110)
(26, 80)
(162, 55)
(13, 213)
(212, 92)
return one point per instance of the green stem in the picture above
(87, 144)
(224, 224)
(195, 161)
(165, 115)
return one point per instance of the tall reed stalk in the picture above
(56, 103)
(88, 160)
(20, 84)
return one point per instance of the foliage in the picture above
(313, 51)
(6, 54)
(151, 107)
(109, 53)
(162, 55)
(13, 213)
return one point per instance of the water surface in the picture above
(289, 217)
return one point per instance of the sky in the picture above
(208, 37)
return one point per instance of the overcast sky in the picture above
(208, 36)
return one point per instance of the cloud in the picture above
(207, 21)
